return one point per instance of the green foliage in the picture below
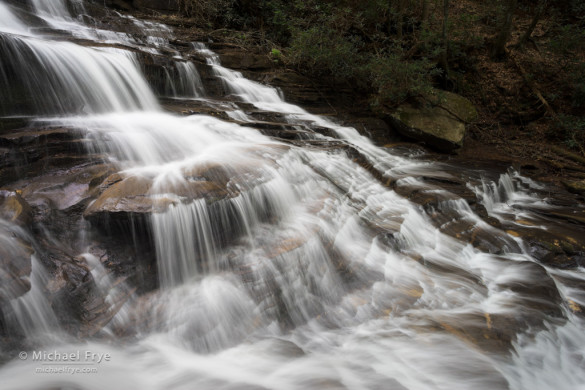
(396, 80)
(570, 129)
(276, 55)
(322, 51)
(465, 35)
(568, 39)
(578, 7)
(273, 16)
(211, 12)
(357, 42)
(575, 84)
(578, 95)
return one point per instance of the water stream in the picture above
(303, 270)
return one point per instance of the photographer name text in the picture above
(78, 356)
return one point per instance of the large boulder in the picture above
(441, 126)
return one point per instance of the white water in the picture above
(31, 312)
(9, 23)
(304, 271)
(54, 8)
(184, 81)
(61, 77)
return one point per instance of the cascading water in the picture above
(183, 81)
(285, 267)
(30, 313)
(63, 78)
(9, 23)
(56, 8)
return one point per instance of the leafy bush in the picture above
(212, 12)
(396, 80)
(570, 129)
(568, 39)
(323, 51)
(574, 79)
(276, 55)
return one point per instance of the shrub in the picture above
(396, 80)
(212, 12)
(323, 51)
(570, 129)
(567, 40)
(276, 55)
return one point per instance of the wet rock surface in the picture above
(14, 208)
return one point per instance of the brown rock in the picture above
(129, 195)
(14, 208)
(135, 194)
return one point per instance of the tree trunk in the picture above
(444, 59)
(425, 13)
(539, 11)
(445, 20)
(399, 18)
(499, 48)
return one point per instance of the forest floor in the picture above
(520, 99)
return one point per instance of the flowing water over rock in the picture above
(246, 253)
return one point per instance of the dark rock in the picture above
(36, 151)
(245, 60)
(553, 248)
(576, 187)
(10, 123)
(315, 97)
(375, 129)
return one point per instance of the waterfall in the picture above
(31, 312)
(9, 23)
(63, 78)
(280, 265)
(55, 8)
(184, 81)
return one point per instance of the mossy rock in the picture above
(576, 187)
(441, 126)
(456, 104)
